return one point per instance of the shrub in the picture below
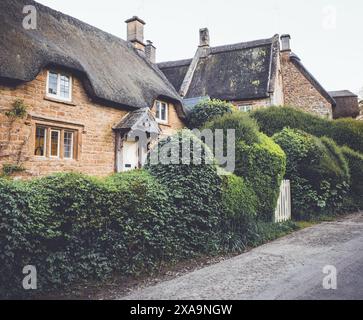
(259, 160)
(239, 212)
(73, 228)
(263, 167)
(18, 110)
(206, 110)
(138, 235)
(318, 173)
(265, 231)
(78, 207)
(355, 163)
(347, 132)
(23, 213)
(195, 194)
(8, 169)
(246, 129)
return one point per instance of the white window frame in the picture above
(58, 95)
(245, 107)
(59, 142)
(160, 103)
(72, 145)
(45, 141)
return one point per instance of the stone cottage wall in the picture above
(92, 123)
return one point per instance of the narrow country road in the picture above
(289, 268)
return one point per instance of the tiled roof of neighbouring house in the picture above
(114, 71)
(232, 72)
(342, 93)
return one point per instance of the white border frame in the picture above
(58, 96)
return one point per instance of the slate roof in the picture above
(114, 71)
(342, 93)
(233, 72)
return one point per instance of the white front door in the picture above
(130, 155)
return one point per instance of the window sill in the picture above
(54, 159)
(69, 103)
(166, 124)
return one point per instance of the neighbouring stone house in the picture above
(251, 74)
(86, 90)
(347, 104)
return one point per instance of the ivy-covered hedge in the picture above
(259, 160)
(318, 173)
(195, 194)
(206, 110)
(73, 227)
(263, 167)
(246, 129)
(347, 132)
(355, 163)
(239, 203)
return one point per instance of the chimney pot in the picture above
(135, 32)
(285, 42)
(150, 51)
(204, 37)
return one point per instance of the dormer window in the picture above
(161, 113)
(59, 86)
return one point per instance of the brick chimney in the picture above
(135, 32)
(204, 37)
(150, 51)
(285, 43)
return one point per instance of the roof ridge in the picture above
(242, 45)
(175, 63)
(219, 49)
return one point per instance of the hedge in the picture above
(73, 228)
(239, 203)
(259, 160)
(263, 167)
(347, 132)
(206, 110)
(195, 194)
(355, 163)
(318, 173)
(246, 129)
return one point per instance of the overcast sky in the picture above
(325, 33)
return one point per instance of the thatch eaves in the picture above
(114, 70)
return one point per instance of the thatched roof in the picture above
(347, 105)
(233, 72)
(114, 71)
(175, 71)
